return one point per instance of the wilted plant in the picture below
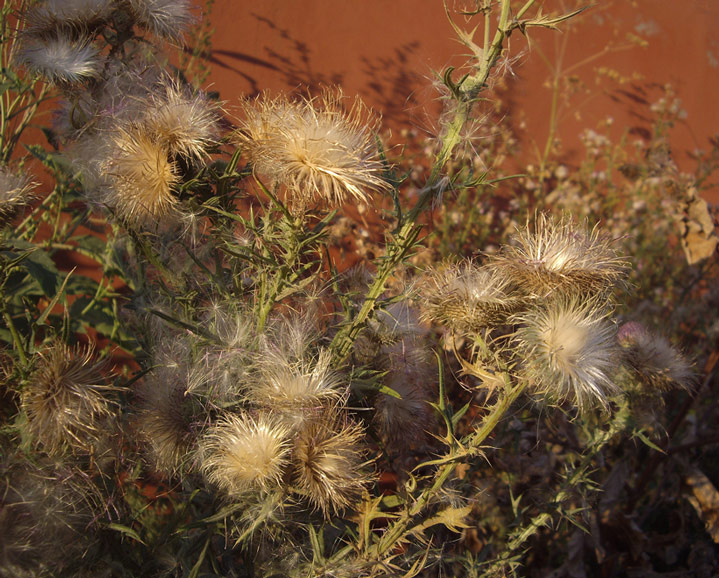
(274, 413)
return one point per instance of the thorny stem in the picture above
(409, 232)
(472, 442)
(15, 336)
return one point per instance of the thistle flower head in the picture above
(317, 150)
(140, 176)
(186, 124)
(567, 350)
(559, 256)
(15, 192)
(655, 360)
(468, 298)
(294, 388)
(44, 515)
(241, 454)
(65, 400)
(166, 18)
(165, 419)
(328, 460)
(60, 59)
(51, 14)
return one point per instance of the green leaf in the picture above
(127, 531)
(39, 266)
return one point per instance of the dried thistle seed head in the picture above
(44, 519)
(166, 417)
(15, 192)
(66, 401)
(559, 256)
(328, 462)
(411, 372)
(167, 18)
(49, 15)
(567, 351)
(467, 298)
(293, 388)
(315, 148)
(241, 454)
(656, 361)
(60, 59)
(141, 178)
(187, 124)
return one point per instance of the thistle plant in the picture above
(228, 399)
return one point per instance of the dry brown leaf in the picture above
(705, 500)
(699, 240)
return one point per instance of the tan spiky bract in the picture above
(567, 351)
(66, 401)
(241, 454)
(61, 59)
(328, 461)
(468, 298)
(314, 147)
(560, 256)
(142, 178)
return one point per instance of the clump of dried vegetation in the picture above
(527, 391)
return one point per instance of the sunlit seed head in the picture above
(186, 124)
(659, 365)
(560, 256)
(60, 59)
(142, 178)
(66, 401)
(241, 454)
(328, 463)
(167, 18)
(468, 298)
(15, 192)
(315, 148)
(567, 351)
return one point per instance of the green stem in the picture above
(409, 231)
(15, 337)
(472, 442)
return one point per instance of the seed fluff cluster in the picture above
(315, 148)
(569, 351)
